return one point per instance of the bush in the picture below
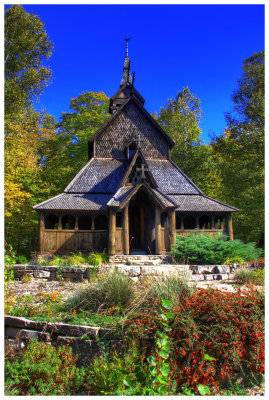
(213, 335)
(22, 260)
(107, 290)
(255, 277)
(97, 258)
(205, 249)
(42, 369)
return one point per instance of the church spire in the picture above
(126, 77)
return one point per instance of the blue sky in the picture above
(172, 46)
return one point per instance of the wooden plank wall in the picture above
(64, 241)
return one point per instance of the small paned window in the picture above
(189, 222)
(178, 222)
(205, 222)
(51, 221)
(68, 222)
(84, 222)
(119, 219)
(164, 220)
(101, 222)
(132, 148)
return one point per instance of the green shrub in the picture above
(75, 259)
(22, 260)
(108, 289)
(205, 249)
(255, 277)
(97, 258)
(42, 369)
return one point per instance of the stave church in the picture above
(130, 198)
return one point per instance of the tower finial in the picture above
(126, 78)
(127, 40)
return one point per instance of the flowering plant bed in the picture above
(182, 339)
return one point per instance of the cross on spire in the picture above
(142, 169)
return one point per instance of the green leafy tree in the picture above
(181, 119)
(88, 112)
(239, 152)
(27, 45)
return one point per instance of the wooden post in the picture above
(112, 232)
(126, 230)
(41, 232)
(158, 237)
(172, 226)
(76, 222)
(229, 228)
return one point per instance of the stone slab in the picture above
(73, 330)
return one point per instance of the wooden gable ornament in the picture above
(129, 197)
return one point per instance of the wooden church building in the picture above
(129, 197)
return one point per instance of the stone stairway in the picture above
(140, 259)
(140, 267)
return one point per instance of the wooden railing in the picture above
(210, 232)
(63, 241)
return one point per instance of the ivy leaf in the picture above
(161, 380)
(164, 354)
(165, 369)
(152, 360)
(166, 303)
(127, 382)
(203, 389)
(170, 315)
(207, 357)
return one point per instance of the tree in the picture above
(181, 119)
(240, 152)
(89, 112)
(27, 45)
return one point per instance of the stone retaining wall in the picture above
(85, 341)
(136, 272)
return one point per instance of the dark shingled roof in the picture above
(170, 179)
(200, 203)
(120, 196)
(100, 175)
(74, 201)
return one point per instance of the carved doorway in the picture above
(142, 223)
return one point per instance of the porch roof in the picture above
(75, 202)
(200, 203)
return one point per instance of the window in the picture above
(119, 219)
(178, 222)
(68, 222)
(205, 222)
(189, 222)
(218, 221)
(51, 221)
(164, 220)
(84, 222)
(101, 222)
(131, 150)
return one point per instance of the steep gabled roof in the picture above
(114, 116)
(170, 179)
(99, 175)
